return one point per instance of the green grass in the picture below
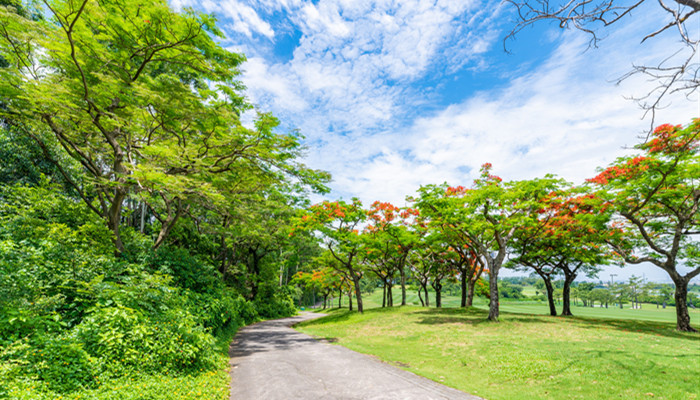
(649, 312)
(525, 356)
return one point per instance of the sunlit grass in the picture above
(649, 312)
(526, 356)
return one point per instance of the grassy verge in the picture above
(525, 356)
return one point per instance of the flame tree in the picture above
(338, 222)
(565, 236)
(488, 215)
(656, 196)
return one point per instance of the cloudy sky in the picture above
(391, 95)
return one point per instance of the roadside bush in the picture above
(221, 311)
(65, 365)
(274, 302)
(126, 340)
(187, 270)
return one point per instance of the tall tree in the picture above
(656, 196)
(392, 236)
(339, 223)
(565, 236)
(489, 214)
(143, 98)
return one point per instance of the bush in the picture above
(125, 340)
(221, 311)
(274, 302)
(187, 270)
(65, 365)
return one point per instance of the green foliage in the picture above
(187, 270)
(511, 290)
(274, 302)
(65, 365)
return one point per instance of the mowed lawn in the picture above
(525, 356)
(649, 312)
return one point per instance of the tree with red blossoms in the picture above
(488, 214)
(339, 223)
(655, 196)
(389, 239)
(566, 236)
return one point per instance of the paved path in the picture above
(270, 361)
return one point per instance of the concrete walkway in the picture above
(270, 361)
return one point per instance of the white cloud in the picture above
(564, 118)
(240, 17)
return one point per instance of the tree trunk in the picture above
(358, 294)
(427, 297)
(493, 295)
(350, 299)
(420, 297)
(682, 316)
(464, 287)
(566, 294)
(384, 295)
(389, 296)
(403, 285)
(550, 295)
(471, 284)
(114, 219)
(143, 216)
(169, 223)
(340, 298)
(438, 296)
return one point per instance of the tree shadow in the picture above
(469, 316)
(476, 316)
(665, 329)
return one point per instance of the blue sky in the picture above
(391, 95)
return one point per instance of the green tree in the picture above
(388, 241)
(339, 223)
(656, 196)
(143, 98)
(489, 214)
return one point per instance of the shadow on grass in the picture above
(476, 316)
(469, 316)
(666, 329)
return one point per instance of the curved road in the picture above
(270, 361)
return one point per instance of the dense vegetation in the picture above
(141, 223)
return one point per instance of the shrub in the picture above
(65, 365)
(274, 302)
(126, 340)
(187, 270)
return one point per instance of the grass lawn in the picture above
(525, 356)
(649, 312)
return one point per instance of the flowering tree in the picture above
(565, 236)
(389, 239)
(325, 281)
(656, 196)
(338, 222)
(488, 215)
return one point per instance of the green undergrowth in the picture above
(525, 356)
(77, 321)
